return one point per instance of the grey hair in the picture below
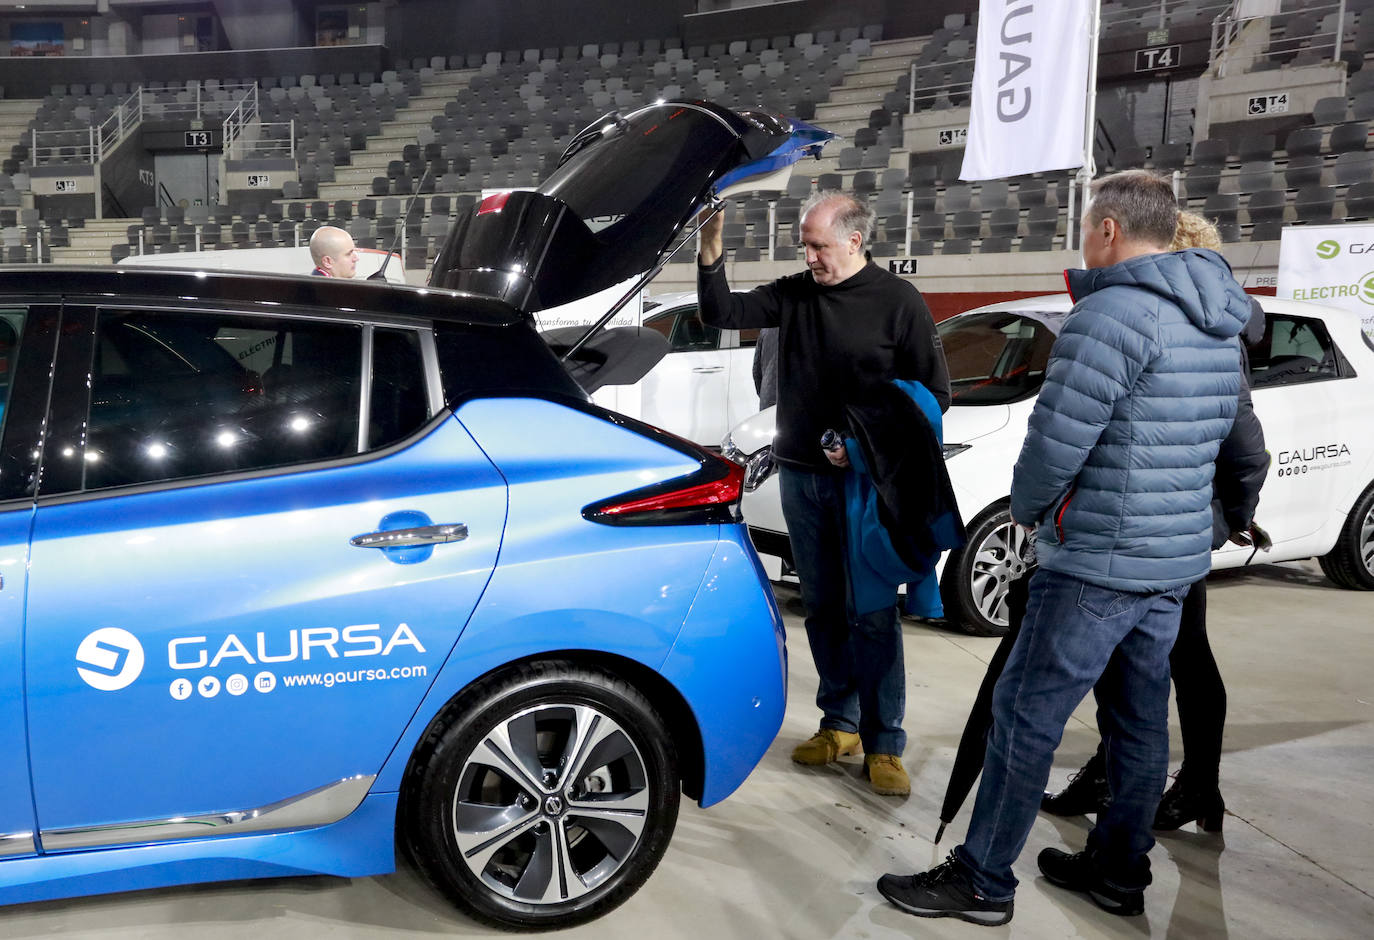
(1139, 201)
(855, 215)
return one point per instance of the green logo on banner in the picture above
(1328, 249)
(1367, 288)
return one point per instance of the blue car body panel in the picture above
(16, 802)
(551, 590)
(682, 600)
(360, 845)
(253, 577)
(806, 140)
(730, 664)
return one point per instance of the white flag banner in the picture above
(1330, 264)
(1030, 87)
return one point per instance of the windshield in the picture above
(995, 358)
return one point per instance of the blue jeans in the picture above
(859, 659)
(1073, 634)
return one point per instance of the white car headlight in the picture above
(730, 450)
(952, 449)
(758, 468)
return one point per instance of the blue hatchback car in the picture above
(298, 571)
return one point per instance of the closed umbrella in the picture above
(968, 759)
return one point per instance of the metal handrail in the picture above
(1228, 25)
(241, 123)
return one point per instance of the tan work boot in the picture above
(887, 775)
(825, 747)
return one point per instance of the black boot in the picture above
(1087, 791)
(1183, 803)
(1079, 872)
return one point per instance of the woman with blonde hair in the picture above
(1242, 465)
(1194, 231)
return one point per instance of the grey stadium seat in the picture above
(1303, 170)
(1266, 206)
(1316, 203)
(1222, 207)
(1352, 135)
(1330, 110)
(1304, 140)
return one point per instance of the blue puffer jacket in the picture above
(1116, 469)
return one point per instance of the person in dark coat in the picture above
(844, 325)
(1242, 465)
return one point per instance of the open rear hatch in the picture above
(623, 192)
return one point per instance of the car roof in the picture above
(664, 302)
(1051, 309)
(352, 296)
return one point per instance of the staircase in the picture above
(355, 181)
(849, 104)
(91, 243)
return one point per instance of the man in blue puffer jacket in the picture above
(1116, 476)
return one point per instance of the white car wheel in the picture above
(974, 586)
(1351, 563)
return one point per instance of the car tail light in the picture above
(493, 203)
(709, 496)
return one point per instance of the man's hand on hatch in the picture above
(712, 245)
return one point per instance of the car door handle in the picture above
(706, 369)
(400, 538)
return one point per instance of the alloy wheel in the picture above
(1002, 556)
(550, 803)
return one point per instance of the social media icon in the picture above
(264, 682)
(181, 689)
(236, 684)
(208, 687)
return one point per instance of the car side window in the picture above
(684, 330)
(11, 328)
(398, 404)
(995, 357)
(178, 395)
(1292, 350)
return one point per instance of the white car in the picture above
(702, 387)
(1312, 378)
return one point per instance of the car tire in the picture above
(496, 820)
(1351, 563)
(974, 585)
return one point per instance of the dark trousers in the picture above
(858, 659)
(1073, 635)
(1199, 693)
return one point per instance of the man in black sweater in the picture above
(844, 325)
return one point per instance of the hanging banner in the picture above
(1030, 87)
(1332, 265)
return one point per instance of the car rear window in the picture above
(495, 361)
(656, 175)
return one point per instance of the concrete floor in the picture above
(794, 853)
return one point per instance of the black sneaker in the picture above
(1078, 872)
(944, 891)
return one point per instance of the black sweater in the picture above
(833, 343)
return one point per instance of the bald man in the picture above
(333, 252)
